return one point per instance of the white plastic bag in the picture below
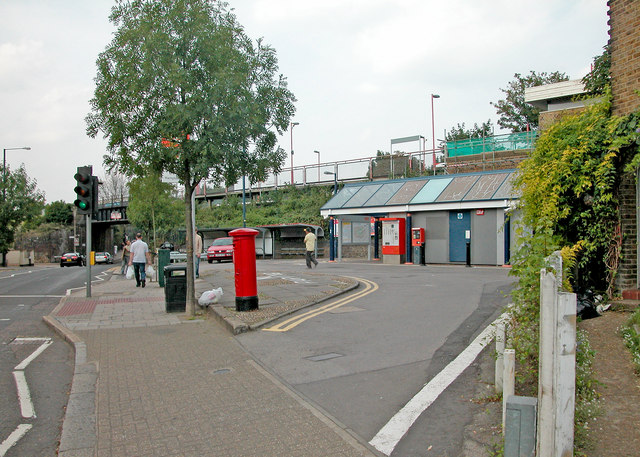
(210, 297)
(130, 272)
(151, 273)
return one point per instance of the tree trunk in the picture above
(191, 292)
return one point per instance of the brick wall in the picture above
(628, 268)
(624, 45)
(624, 42)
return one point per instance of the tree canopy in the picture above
(461, 132)
(515, 114)
(182, 89)
(21, 201)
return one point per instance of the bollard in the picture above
(509, 380)
(500, 341)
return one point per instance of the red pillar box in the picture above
(244, 261)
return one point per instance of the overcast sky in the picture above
(362, 70)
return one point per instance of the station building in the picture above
(466, 218)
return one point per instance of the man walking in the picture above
(310, 246)
(197, 247)
(140, 258)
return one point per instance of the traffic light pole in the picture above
(88, 253)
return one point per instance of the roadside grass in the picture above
(631, 336)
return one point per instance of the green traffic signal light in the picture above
(84, 190)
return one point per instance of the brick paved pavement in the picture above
(149, 383)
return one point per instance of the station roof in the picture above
(468, 190)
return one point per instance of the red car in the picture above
(221, 249)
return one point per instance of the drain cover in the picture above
(321, 357)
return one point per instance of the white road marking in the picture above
(390, 435)
(46, 342)
(24, 396)
(12, 439)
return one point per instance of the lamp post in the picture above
(335, 180)
(433, 133)
(318, 152)
(291, 126)
(4, 168)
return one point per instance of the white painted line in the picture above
(390, 435)
(12, 439)
(31, 296)
(47, 342)
(26, 406)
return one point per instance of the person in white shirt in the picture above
(139, 258)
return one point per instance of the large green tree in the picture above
(21, 201)
(515, 114)
(182, 89)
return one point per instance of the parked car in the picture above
(71, 258)
(103, 257)
(221, 249)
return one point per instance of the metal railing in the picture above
(507, 142)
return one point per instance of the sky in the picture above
(363, 71)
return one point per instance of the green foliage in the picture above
(153, 208)
(598, 80)
(21, 202)
(288, 205)
(631, 335)
(588, 404)
(58, 212)
(515, 114)
(569, 186)
(461, 132)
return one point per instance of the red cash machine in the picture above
(393, 240)
(244, 262)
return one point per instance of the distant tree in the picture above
(152, 206)
(515, 114)
(114, 188)
(58, 212)
(21, 201)
(461, 132)
(182, 89)
(599, 78)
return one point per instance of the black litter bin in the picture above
(175, 288)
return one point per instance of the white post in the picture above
(556, 378)
(565, 374)
(500, 340)
(546, 416)
(509, 377)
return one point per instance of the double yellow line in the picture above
(369, 287)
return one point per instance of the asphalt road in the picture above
(27, 294)
(363, 361)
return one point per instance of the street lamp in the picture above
(318, 152)
(4, 168)
(335, 180)
(291, 126)
(433, 133)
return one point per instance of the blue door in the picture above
(459, 223)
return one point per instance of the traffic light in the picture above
(84, 190)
